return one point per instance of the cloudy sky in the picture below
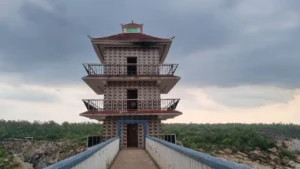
(239, 60)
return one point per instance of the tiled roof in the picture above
(131, 37)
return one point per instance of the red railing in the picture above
(129, 69)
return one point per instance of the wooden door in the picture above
(132, 135)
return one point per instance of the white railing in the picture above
(172, 156)
(97, 157)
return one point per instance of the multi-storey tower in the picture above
(131, 77)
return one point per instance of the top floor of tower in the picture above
(132, 45)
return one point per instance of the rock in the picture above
(291, 164)
(221, 152)
(39, 154)
(297, 158)
(179, 143)
(273, 150)
(239, 156)
(227, 150)
(272, 163)
(201, 150)
(71, 153)
(297, 166)
(275, 159)
(242, 154)
(41, 165)
(258, 153)
(292, 145)
(285, 160)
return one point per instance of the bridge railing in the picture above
(168, 155)
(97, 157)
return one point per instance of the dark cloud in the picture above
(213, 44)
(28, 96)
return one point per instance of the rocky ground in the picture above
(39, 154)
(271, 159)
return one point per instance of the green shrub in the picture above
(287, 153)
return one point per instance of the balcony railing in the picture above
(130, 104)
(130, 69)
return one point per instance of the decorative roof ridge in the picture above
(131, 37)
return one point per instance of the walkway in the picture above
(133, 159)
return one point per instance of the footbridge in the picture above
(157, 154)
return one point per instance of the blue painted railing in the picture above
(99, 156)
(168, 155)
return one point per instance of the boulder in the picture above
(273, 150)
(291, 164)
(274, 159)
(41, 165)
(297, 158)
(257, 153)
(227, 150)
(285, 160)
(242, 154)
(239, 156)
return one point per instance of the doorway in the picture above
(132, 95)
(131, 66)
(132, 135)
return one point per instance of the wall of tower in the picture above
(148, 95)
(109, 128)
(116, 59)
(118, 55)
(118, 89)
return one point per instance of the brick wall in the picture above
(117, 90)
(118, 55)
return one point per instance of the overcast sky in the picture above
(239, 60)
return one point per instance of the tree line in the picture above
(239, 137)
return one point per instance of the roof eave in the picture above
(98, 42)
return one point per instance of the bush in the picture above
(287, 153)
(238, 137)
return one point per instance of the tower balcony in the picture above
(100, 108)
(130, 70)
(99, 74)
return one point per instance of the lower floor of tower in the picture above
(131, 129)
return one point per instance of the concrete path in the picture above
(133, 159)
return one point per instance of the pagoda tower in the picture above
(131, 76)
